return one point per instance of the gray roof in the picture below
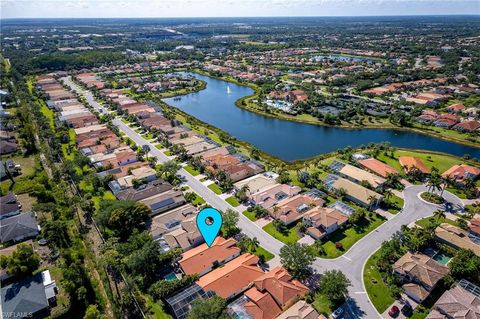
(145, 191)
(26, 296)
(22, 225)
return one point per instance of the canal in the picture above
(291, 140)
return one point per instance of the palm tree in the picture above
(439, 214)
(253, 244)
(434, 182)
(372, 200)
(387, 194)
(447, 181)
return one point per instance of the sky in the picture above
(230, 8)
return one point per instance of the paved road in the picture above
(351, 263)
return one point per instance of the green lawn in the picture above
(290, 235)
(108, 195)
(397, 202)
(250, 215)
(168, 153)
(425, 221)
(215, 188)
(440, 161)
(198, 201)
(348, 237)
(458, 192)
(191, 170)
(377, 290)
(48, 113)
(260, 251)
(232, 201)
(148, 136)
(323, 305)
(155, 309)
(125, 121)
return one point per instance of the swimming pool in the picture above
(442, 258)
(170, 276)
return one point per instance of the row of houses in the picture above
(450, 120)
(252, 293)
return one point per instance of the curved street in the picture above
(351, 263)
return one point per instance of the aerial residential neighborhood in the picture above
(337, 141)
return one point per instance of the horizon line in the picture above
(277, 16)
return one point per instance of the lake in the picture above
(289, 140)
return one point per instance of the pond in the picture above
(289, 140)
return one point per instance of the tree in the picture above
(169, 170)
(125, 219)
(334, 284)
(229, 225)
(23, 262)
(357, 216)
(465, 264)
(208, 308)
(297, 259)
(92, 312)
(439, 214)
(462, 223)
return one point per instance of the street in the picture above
(351, 263)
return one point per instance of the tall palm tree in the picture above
(439, 214)
(253, 243)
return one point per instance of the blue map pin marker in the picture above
(209, 222)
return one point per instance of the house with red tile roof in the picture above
(474, 226)
(410, 163)
(461, 172)
(272, 293)
(233, 278)
(203, 259)
(467, 126)
(377, 167)
(455, 108)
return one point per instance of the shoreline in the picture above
(239, 104)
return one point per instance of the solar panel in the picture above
(162, 203)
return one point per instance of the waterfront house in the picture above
(410, 164)
(467, 126)
(377, 167)
(462, 172)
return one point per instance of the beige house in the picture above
(420, 273)
(456, 237)
(459, 302)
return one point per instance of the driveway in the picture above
(351, 263)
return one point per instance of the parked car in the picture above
(337, 313)
(393, 311)
(407, 310)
